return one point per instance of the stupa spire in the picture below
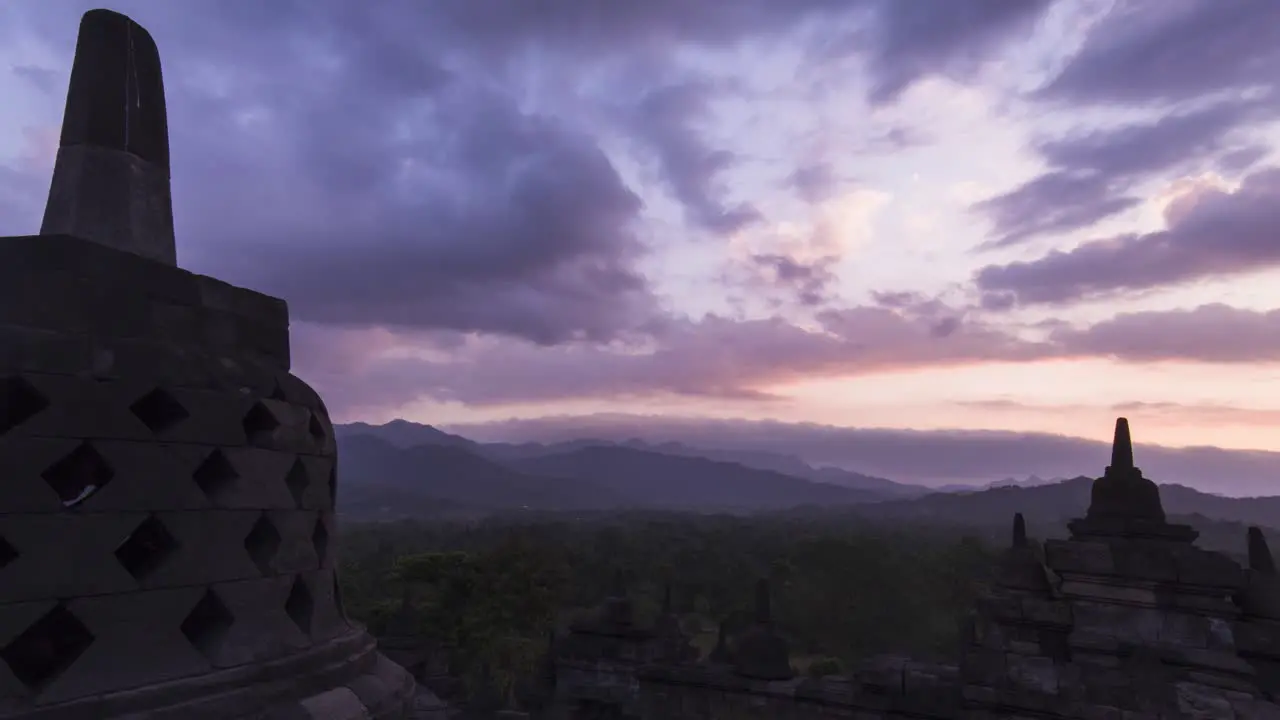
(1121, 448)
(111, 176)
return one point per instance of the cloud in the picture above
(930, 457)
(345, 164)
(1213, 233)
(1144, 53)
(809, 282)
(666, 118)
(1210, 333)
(714, 357)
(911, 41)
(1093, 175)
(814, 182)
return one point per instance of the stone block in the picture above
(82, 407)
(1202, 703)
(1255, 709)
(45, 351)
(1079, 556)
(1207, 569)
(216, 417)
(279, 425)
(147, 476)
(261, 481)
(1046, 612)
(1185, 630)
(1257, 637)
(296, 553)
(157, 362)
(52, 302)
(262, 629)
(336, 704)
(210, 548)
(1034, 673)
(245, 303)
(15, 619)
(22, 489)
(1152, 562)
(317, 495)
(1128, 624)
(1112, 593)
(150, 619)
(64, 555)
(328, 621)
(999, 607)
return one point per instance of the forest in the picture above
(491, 591)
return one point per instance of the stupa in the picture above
(167, 496)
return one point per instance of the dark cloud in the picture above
(810, 283)
(814, 182)
(667, 120)
(44, 79)
(1168, 52)
(912, 40)
(1210, 233)
(931, 457)
(1092, 175)
(340, 161)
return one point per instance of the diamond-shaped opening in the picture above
(320, 541)
(215, 475)
(300, 605)
(316, 428)
(79, 475)
(207, 623)
(277, 392)
(159, 411)
(297, 480)
(46, 649)
(19, 402)
(259, 424)
(337, 596)
(261, 543)
(8, 553)
(146, 548)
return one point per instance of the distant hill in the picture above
(652, 479)
(380, 480)
(405, 434)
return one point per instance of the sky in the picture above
(1024, 216)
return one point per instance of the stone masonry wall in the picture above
(163, 471)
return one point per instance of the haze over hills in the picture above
(403, 469)
(933, 458)
(450, 476)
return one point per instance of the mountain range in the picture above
(403, 469)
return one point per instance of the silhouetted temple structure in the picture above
(167, 527)
(1125, 620)
(166, 502)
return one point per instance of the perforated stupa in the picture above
(166, 503)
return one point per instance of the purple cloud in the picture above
(1210, 333)
(1092, 175)
(666, 119)
(1145, 53)
(1211, 233)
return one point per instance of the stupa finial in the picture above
(111, 176)
(1121, 448)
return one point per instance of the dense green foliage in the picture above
(492, 590)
